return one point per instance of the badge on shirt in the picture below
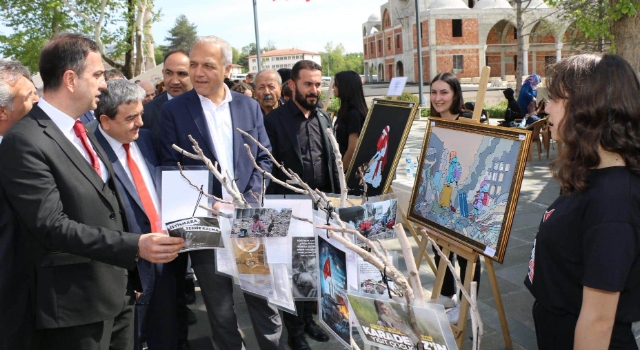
(547, 214)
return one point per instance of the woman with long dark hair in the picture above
(585, 265)
(446, 97)
(447, 103)
(353, 110)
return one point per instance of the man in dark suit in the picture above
(17, 96)
(132, 152)
(210, 114)
(61, 186)
(176, 82)
(298, 134)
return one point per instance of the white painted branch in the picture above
(198, 188)
(265, 149)
(215, 212)
(410, 261)
(391, 271)
(238, 199)
(270, 176)
(343, 182)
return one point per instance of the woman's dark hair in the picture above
(350, 93)
(457, 105)
(602, 109)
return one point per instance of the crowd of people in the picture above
(85, 264)
(81, 242)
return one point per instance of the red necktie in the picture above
(143, 192)
(81, 132)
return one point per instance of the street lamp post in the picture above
(419, 45)
(255, 24)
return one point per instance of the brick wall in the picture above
(444, 32)
(470, 62)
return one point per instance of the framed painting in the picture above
(380, 145)
(468, 183)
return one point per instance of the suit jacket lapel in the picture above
(238, 140)
(85, 168)
(118, 169)
(197, 113)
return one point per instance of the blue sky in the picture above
(294, 23)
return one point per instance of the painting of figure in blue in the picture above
(464, 184)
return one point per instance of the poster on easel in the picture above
(468, 182)
(380, 145)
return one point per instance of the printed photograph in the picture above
(304, 273)
(198, 233)
(373, 220)
(250, 256)
(261, 222)
(387, 324)
(333, 285)
(468, 184)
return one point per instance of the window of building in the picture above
(457, 64)
(549, 60)
(389, 44)
(379, 46)
(456, 25)
(397, 41)
(515, 33)
(515, 62)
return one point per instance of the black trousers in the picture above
(179, 266)
(449, 284)
(112, 334)
(556, 332)
(25, 337)
(295, 324)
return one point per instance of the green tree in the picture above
(159, 53)
(182, 35)
(354, 62)
(332, 59)
(235, 54)
(607, 20)
(33, 23)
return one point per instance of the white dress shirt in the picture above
(65, 124)
(121, 153)
(1, 139)
(221, 129)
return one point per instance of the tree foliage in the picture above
(250, 50)
(335, 60)
(112, 23)
(182, 35)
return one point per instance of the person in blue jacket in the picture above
(528, 92)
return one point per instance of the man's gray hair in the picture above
(269, 70)
(118, 91)
(10, 73)
(227, 54)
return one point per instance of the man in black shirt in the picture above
(297, 131)
(513, 111)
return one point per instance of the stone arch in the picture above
(399, 69)
(364, 31)
(543, 31)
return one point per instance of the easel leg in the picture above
(464, 303)
(442, 268)
(500, 308)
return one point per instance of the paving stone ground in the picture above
(538, 191)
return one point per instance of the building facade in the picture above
(285, 58)
(461, 37)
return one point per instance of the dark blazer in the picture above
(184, 116)
(14, 274)
(283, 136)
(152, 114)
(161, 329)
(87, 117)
(74, 222)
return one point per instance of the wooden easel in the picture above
(451, 246)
